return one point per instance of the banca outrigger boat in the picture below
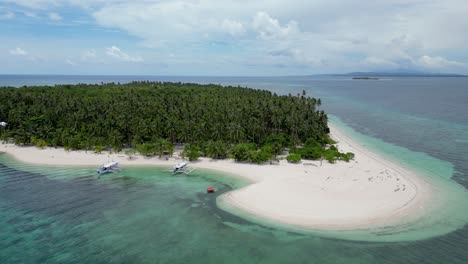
(181, 168)
(109, 167)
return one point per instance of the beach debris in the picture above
(210, 189)
(400, 187)
(274, 162)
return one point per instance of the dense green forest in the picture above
(211, 120)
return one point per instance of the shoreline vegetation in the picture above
(151, 118)
(237, 130)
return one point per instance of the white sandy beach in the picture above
(369, 191)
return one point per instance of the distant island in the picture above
(365, 78)
(396, 73)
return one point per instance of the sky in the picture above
(232, 37)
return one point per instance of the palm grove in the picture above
(150, 117)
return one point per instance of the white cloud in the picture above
(88, 54)
(116, 53)
(27, 55)
(288, 45)
(70, 62)
(48, 4)
(55, 16)
(7, 15)
(270, 28)
(327, 35)
(379, 63)
(37, 58)
(438, 62)
(18, 52)
(235, 28)
(36, 4)
(30, 14)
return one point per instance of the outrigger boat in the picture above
(181, 168)
(109, 167)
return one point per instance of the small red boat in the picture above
(210, 189)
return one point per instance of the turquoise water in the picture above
(144, 215)
(68, 215)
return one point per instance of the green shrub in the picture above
(74, 142)
(281, 139)
(162, 146)
(97, 149)
(191, 152)
(331, 154)
(259, 156)
(293, 158)
(41, 143)
(311, 153)
(277, 143)
(116, 148)
(313, 150)
(347, 156)
(330, 157)
(329, 141)
(147, 149)
(241, 152)
(216, 149)
(130, 153)
(312, 142)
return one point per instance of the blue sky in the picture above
(232, 37)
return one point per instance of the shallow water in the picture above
(68, 215)
(143, 215)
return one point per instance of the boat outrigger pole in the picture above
(181, 168)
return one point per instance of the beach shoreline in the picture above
(368, 192)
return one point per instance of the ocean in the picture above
(69, 215)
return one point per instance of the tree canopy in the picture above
(152, 116)
(82, 116)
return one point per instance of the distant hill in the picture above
(397, 74)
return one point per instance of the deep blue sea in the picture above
(67, 215)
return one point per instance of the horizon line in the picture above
(376, 74)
